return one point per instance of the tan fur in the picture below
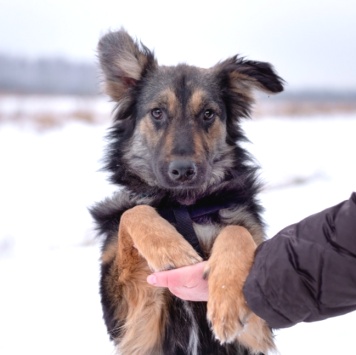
(241, 216)
(131, 60)
(148, 131)
(156, 239)
(196, 101)
(243, 84)
(216, 132)
(146, 242)
(130, 68)
(167, 146)
(170, 100)
(228, 267)
(206, 234)
(166, 99)
(129, 65)
(109, 253)
(145, 310)
(198, 147)
(115, 89)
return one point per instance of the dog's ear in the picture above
(124, 62)
(244, 75)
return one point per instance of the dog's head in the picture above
(176, 127)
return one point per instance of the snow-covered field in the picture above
(49, 302)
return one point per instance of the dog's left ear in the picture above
(244, 75)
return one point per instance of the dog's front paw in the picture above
(230, 317)
(156, 240)
(227, 269)
(173, 254)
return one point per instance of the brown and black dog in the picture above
(187, 192)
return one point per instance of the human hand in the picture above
(186, 282)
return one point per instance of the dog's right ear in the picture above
(124, 62)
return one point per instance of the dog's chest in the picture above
(206, 234)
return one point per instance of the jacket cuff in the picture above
(268, 294)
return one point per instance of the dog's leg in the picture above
(227, 269)
(146, 241)
(156, 239)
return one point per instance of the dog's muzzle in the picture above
(182, 171)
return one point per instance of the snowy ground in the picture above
(49, 301)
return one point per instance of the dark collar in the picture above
(182, 217)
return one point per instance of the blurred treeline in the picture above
(58, 76)
(47, 76)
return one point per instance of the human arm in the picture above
(307, 272)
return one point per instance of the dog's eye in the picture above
(157, 114)
(209, 115)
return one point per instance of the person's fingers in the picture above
(186, 282)
(168, 279)
(186, 276)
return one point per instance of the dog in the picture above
(187, 192)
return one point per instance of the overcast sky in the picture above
(312, 43)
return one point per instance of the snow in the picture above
(49, 269)
(64, 105)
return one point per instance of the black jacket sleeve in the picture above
(307, 272)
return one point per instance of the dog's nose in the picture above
(182, 170)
